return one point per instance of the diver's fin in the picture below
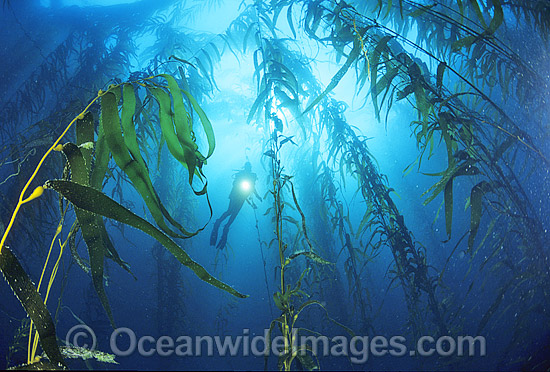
(223, 239)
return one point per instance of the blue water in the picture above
(57, 54)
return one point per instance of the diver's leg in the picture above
(223, 239)
(214, 234)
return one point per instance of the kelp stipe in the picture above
(291, 300)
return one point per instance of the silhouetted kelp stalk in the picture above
(171, 293)
(285, 299)
(323, 281)
(382, 215)
(355, 265)
(278, 88)
(116, 138)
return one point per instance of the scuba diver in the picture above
(243, 187)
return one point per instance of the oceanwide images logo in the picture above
(125, 342)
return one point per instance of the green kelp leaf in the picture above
(385, 83)
(206, 125)
(409, 168)
(446, 184)
(494, 306)
(422, 103)
(476, 203)
(228, 40)
(460, 7)
(182, 61)
(214, 47)
(102, 155)
(312, 256)
(444, 119)
(204, 72)
(355, 52)
(110, 251)
(167, 125)
(279, 320)
(307, 362)
(33, 304)
(187, 88)
(501, 149)
(488, 234)
(389, 6)
(284, 75)
(498, 17)
(181, 123)
(85, 138)
(271, 154)
(448, 197)
(94, 201)
(287, 139)
(127, 121)
(70, 151)
(464, 169)
(181, 140)
(251, 28)
(465, 42)
(90, 227)
(477, 11)
(421, 10)
(374, 63)
(278, 301)
(289, 20)
(126, 154)
(313, 18)
(130, 139)
(440, 71)
(260, 100)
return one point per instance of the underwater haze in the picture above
(278, 185)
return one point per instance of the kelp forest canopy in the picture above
(402, 153)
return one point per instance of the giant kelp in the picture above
(457, 74)
(87, 171)
(481, 140)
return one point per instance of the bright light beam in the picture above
(246, 186)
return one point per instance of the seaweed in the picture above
(91, 205)
(459, 76)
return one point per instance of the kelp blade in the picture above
(85, 142)
(27, 294)
(94, 201)
(92, 228)
(128, 157)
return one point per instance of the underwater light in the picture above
(246, 185)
